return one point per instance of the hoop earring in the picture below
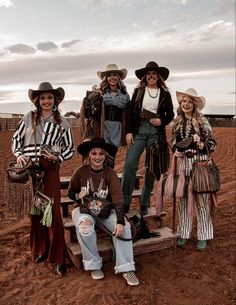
(54, 108)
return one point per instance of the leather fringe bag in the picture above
(16, 174)
(159, 158)
(205, 176)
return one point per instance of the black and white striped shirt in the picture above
(26, 142)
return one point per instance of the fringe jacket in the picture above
(133, 110)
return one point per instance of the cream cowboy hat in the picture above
(199, 101)
(112, 68)
(58, 93)
(85, 147)
(153, 66)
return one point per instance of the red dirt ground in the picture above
(167, 277)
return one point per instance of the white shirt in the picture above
(151, 99)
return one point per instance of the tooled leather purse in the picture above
(184, 144)
(16, 174)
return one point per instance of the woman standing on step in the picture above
(100, 182)
(149, 111)
(45, 137)
(190, 123)
(114, 98)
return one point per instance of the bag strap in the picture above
(103, 227)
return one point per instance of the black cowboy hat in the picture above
(58, 93)
(84, 148)
(153, 66)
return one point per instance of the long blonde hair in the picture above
(105, 85)
(196, 119)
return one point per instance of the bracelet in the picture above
(201, 145)
(77, 197)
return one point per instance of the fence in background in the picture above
(11, 123)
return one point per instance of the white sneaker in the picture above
(131, 278)
(97, 274)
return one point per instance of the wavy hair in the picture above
(196, 118)
(105, 85)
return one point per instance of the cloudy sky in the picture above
(67, 41)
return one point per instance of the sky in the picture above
(66, 42)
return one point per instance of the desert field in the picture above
(167, 277)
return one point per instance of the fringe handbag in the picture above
(159, 156)
(16, 174)
(205, 176)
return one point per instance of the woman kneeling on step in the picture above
(95, 182)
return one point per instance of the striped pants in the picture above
(204, 220)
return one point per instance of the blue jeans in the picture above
(147, 134)
(88, 242)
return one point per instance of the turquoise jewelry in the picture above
(54, 108)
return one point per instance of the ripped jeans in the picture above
(88, 241)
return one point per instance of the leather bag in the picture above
(98, 206)
(205, 176)
(184, 144)
(41, 201)
(16, 174)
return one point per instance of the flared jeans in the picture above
(87, 238)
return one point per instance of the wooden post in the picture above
(174, 212)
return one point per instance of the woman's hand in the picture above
(178, 154)
(118, 230)
(129, 140)
(22, 161)
(197, 140)
(155, 121)
(49, 156)
(82, 194)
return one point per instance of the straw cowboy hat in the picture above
(112, 68)
(58, 93)
(84, 148)
(152, 66)
(199, 101)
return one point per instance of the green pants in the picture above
(147, 134)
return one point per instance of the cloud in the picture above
(68, 44)
(46, 46)
(101, 4)
(20, 49)
(6, 3)
(208, 32)
(224, 7)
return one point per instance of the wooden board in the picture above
(166, 240)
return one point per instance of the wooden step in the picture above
(69, 226)
(166, 240)
(66, 201)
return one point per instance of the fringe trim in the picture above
(19, 197)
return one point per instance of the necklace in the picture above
(42, 126)
(149, 93)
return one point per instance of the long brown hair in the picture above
(38, 112)
(160, 82)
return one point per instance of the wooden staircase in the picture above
(167, 237)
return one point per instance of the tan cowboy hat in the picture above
(84, 148)
(112, 68)
(199, 101)
(58, 93)
(153, 66)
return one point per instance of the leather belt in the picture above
(113, 113)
